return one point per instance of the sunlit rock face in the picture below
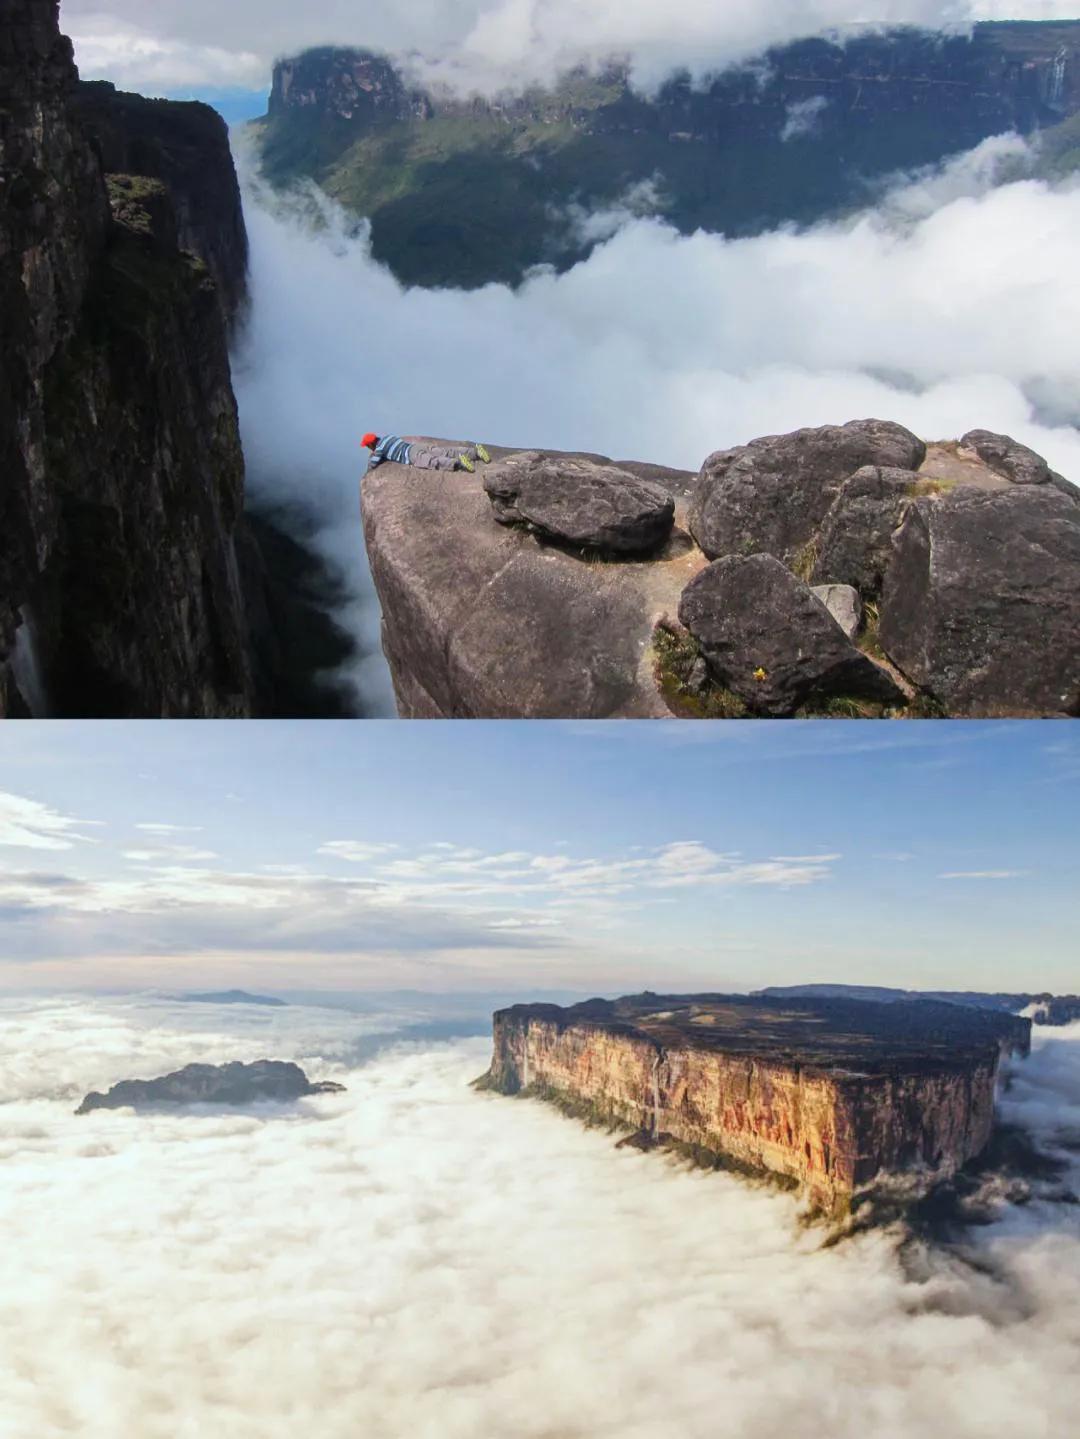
(827, 1096)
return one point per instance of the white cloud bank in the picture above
(412, 1258)
(954, 305)
(480, 44)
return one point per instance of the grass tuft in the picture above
(675, 654)
(805, 561)
(869, 641)
(929, 487)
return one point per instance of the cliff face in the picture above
(186, 146)
(799, 134)
(119, 446)
(721, 1075)
(341, 84)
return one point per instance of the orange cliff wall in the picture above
(827, 1132)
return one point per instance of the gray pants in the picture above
(439, 457)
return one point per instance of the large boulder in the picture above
(234, 1083)
(843, 603)
(771, 495)
(769, 640)
(981, 604)
(1007, 457)
(854, 544)
(580, 502)
(481, 622)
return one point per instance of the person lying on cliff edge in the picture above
(392, 449)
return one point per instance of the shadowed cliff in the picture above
(132, 582)
(119, 445)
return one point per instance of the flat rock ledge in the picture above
(852, 570)
(234, 1083)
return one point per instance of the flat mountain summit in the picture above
(835, 1098)
(805, 131)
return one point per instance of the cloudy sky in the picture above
(521, 856)
(187, 45)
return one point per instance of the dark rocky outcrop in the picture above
(827, 1095)
(768, 639)
(771, 495)
(235, 1083)
(119, 447)
(185, 145)
(580, 502)
(1007, 457)
(981, 605)
(854, 544)
(298, 647)
(483, 619)
(1046, 1008)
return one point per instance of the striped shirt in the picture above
(392, 449)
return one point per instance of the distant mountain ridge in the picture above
(467, 191)
(1051, 1009)
(231, 996)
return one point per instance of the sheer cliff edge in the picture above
(826, 1096)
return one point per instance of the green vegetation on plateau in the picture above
(467, 192)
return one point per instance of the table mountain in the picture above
(466, 191)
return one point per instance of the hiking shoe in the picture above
(482, 452)
(466, 464)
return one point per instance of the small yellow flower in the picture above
(759, 675)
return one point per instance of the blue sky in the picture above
(603, 857)
(237, 106)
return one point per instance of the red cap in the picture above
(370, 441)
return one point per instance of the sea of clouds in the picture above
(952, 304)
(414, 1258)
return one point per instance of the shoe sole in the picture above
(467, 465)
(482, 452)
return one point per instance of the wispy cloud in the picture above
(463, 872)
(173, 853)
(27, 824)
(812, 859)
(171, 828)
(354, 850)
(984, 874)
(434, 899)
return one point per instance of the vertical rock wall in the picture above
(121, 471)
(826, 1132)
